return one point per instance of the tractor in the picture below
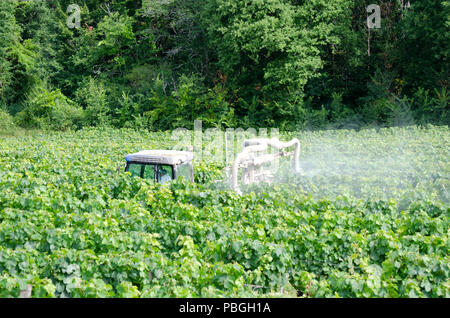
(160, 166)
(163, 166)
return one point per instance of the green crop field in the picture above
(367, 217)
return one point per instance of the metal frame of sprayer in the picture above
(253, 157)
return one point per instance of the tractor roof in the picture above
(168, 157)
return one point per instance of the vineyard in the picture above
(367, 217)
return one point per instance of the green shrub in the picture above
(431, 107)
(190, 101)
(6, 121)
(50, 110)
(92, 95)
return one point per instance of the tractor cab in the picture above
(160, 166)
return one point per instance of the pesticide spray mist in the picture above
(403, 164)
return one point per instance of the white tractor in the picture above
(165, 165)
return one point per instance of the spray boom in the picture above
(253, 157)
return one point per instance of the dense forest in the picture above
(161, 64)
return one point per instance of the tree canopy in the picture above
(161, 64)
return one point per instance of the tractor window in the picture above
(164, 173)
(135, 169)
(149, 172)
(184, 170)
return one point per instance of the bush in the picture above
(6, 121)
(430, 107)
(92, 95)
(190, 101)
(50, 110)
(126, 112)
(399, 112)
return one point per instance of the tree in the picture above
(270, 49)
(9, 40)
(424, 46)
